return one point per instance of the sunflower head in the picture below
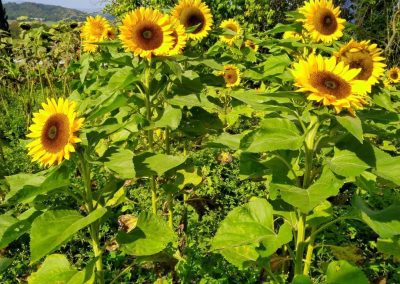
(95, 29)
(394, 75)
(330, 83)
(146, 32)
(231, 75)
(54, 132)
(194, 15)
(365, 56)
(321, 20)
(179, 37)
(250, 44)
(233, 27)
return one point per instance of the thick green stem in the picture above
(170, 203)
(309, 253)
(150, 134)
(301, 229)
(94, 228)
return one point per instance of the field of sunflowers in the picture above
(175, 144)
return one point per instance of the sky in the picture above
(84, 5)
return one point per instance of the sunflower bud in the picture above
(127, 222)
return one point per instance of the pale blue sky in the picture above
(86, 5)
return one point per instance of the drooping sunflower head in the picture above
(233, 27)
(394, 75)
(365, 56)
(195, 16)
(95, 29)
(231, 75)
(330, 83)
(179, 37)
(321, 20)
(54, 132)
(146, 32)
(250, 44)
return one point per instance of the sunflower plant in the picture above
(322, 122)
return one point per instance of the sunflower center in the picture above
(52, 132)
(193, 17)
(230, 76)
(97, 30)
(325, 22)
(55, 133)
(363, 61)
(148, 36)
(330, 84)
(394, 75)
(232, 28)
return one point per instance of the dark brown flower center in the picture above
(230, 76)
(148, 36)
(360, 60)
(55, 134)
(194, 18)
(325, 22)
(329, 83)
(394, 75)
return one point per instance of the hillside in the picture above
(45, 12)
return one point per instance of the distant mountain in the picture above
(42, 11)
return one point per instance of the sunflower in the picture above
(394, 75)
(365, 56)
(250, 44)
(179, 37)
(146, 32)
(54, 132)
(231, 75)
(321, 20)
(292, 35)
(233, 27)
(331, 83)
(95, 29)
(194, 14)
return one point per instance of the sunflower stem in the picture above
(94, 228)
(150, 133)
(309, 253)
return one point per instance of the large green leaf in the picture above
(347, 164)
(121, 163)
(387, 167)
(121, 79)
(170, 118)
(12, 228)
(150, 236)
(148, 164)
(351, 124)
(226, 140)
(342, 272)
(386, 222)
(54, 228)
(4, 263)
(273, 134)
(389, 246)
(25, 187)
(244, 229)
(307, 199)
(56, 269)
